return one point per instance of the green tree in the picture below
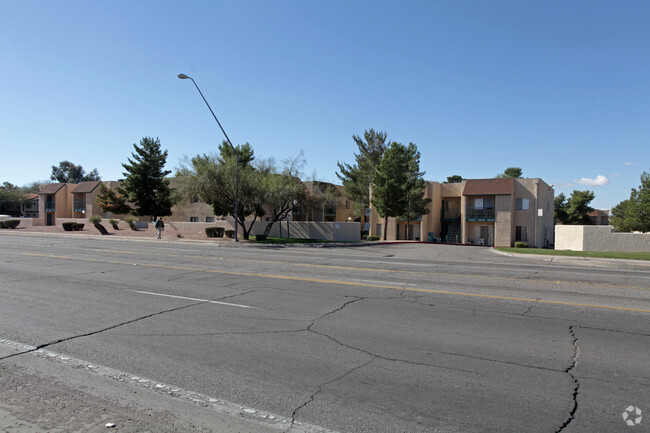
(388, 189)
(112, 201)
(281, 188)
(11, 199)
(319, 195)
(515, 172)
(145, 185)
(575, 210)
(560, 205)
(454, 179)
(214, 180)
(67, 172)
(416, 203)
(358, 178)
(633, 214)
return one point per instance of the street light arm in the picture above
(186, 77)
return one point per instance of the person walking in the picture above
(160, 226)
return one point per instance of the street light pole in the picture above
(185, 77)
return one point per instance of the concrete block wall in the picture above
(599, 238)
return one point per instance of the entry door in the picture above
(485, 234)
(48, 219)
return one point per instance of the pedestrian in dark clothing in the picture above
(160, 226)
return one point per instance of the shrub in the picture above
(373, 238)
(9, 224)
(114, 223)
(230, 233)
(521, 245)
(96, 219)
(260, 237)
(131, 222)
(68, 227)
(214, 232)
(78, 227)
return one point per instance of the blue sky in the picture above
(558, 88)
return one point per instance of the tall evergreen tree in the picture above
(416, 205)
(389, 184)
(145, 184)
(109, 200)
(633, 214)
(358, 178)
(575, 210)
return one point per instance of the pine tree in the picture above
(358, 178)
(389, 185)
(633, 214)
(417, 205)
(109, 200)
(145, 184)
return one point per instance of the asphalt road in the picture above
(382, 338)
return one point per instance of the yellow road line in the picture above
(325, 281)
(350, 268)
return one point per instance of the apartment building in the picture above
(69, 200)
(495, 212)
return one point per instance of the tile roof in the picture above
(505, 186)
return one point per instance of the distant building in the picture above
(496, 212)
(599, 217)
(29, 208)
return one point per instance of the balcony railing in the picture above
(474, 214)
(79, 206)
(49, 206)
(450, 214)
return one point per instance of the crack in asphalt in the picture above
(311, 398)
(536, 303)
(576, 388)
(99, 331)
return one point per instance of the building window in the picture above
(209, 219)
(194, 219)
(521, 233)
(523, 204)
(347, 204)
(194, 199)
(379, 232)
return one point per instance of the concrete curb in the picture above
(574, 260)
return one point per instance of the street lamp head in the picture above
(183, 77)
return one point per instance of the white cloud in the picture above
(600, 180)
(629, 163)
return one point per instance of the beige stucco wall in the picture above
(504, 233)
(333, 231)
(569, 237)
(599, 238)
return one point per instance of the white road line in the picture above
(192, 299)
(237, 411)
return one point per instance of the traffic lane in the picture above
(561, 291)
(260, 288)
(612, 373)
(283, 368)
(190, 279)
(344, 259)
